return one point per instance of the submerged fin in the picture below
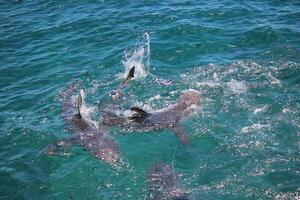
(55, 147)
(181, 134)
(130, 74)
(79, 104)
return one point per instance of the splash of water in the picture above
(138, 57)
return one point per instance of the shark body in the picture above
(168, 118)
(164, 184)
(98, 142)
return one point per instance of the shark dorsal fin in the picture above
(130, 74)
(79, 104)
(139, 114)
(139, 111)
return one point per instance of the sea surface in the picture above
(242, 56)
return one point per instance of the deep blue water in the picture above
(242, 56)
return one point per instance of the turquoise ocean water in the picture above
(243, 56)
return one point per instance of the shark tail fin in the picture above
(130, 74)
(79, 104)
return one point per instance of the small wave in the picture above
(261, 35)
(138, 57)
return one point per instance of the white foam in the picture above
(273, 79)
(254, 127)
(122, 113)
(288, 195)
(208, 83)
(138, 57)
(191, 90)
(237, 87)
(262, 109)
(156, 97)
(194, 110)
(172, 93)
(163, 81)
(215, 76)
(286, 110)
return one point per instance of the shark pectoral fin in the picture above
(181, 134)
(54, 148)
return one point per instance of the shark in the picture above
(98, 142)
(163, 183)
(167, 118)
